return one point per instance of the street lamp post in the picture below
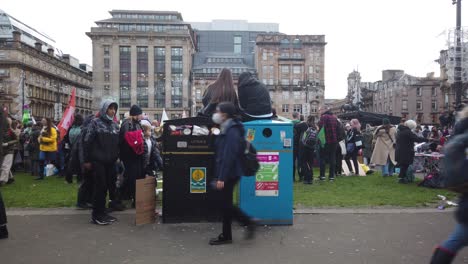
(457, 84)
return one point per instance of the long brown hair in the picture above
(222, 90)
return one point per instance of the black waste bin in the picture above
(188, 154)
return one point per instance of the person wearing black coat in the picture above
(254, 98)
(446, 252)
(228, 169)
(404, 151)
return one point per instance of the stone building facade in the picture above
(144, 58)
(400, 94)
(35, 75)
(293, 68)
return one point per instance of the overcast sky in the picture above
(370, 35)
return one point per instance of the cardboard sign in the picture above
(198, 180)
(145, 201)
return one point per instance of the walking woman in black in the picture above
(228, 168)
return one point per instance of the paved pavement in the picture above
(337, 237)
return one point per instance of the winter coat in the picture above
(11, 140)
(299, 129)
(153, 160)
(254, 97)
(33, 146)
(384, 146)
(48, 142)
(101, 140)
(126, 152)
(462, 210)
(405, 139)
(228, 151)
(367, 148)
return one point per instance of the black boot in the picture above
(442, 257)
(3, 232)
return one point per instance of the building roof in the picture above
(235, 25)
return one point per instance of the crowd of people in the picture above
(388, 147)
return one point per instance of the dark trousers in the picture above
(85, 192)
(328, 155)
(104, 178)
(295, 161)
(231, 211)
(352, 156)
(307, 163)
(134, 170)
(35, 167)
(403, 171)
(3, 218)
(339, 160)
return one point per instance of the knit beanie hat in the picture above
(135, 110)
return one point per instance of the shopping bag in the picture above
(321, 137)
(50, 170)
(343, 147)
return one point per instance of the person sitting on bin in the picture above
(228, 170)
(222, 90)
(254, 98)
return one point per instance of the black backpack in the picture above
(249, 160)
(309, 138)
(455, 163)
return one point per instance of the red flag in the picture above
(68, 116)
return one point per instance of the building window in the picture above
(142, 76)
(404, 91)
(176, 61)
(434, 91)
(390, 107)
(264, 55)
(298, 108)
(285, 95)
(271, 81)
(160, 77)
(419, 106)
(198, 94)
(297, 95)
(311, 69)
(419, 91)
(176, 91)
(107, 76)
(285, 108)
(296, 81)
(434, 105)
(156, 117)
(297, 69)
(284, 81)
(106, 63)
(284, 69)
(237, 44)
(125, 76)
(106, 50)
(404, 105)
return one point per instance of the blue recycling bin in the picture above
(269, 195)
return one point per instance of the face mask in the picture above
(217, 118)
(110, 117)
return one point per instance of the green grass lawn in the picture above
(48, 193)
(369, 191)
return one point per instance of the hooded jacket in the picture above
(101, 138)
(228, 151)
(405, 139)
(254, 97)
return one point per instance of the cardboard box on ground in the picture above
(145, 201)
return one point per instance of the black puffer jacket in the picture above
(254, 98)
(101, 140)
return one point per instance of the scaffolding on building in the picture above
(457, 48)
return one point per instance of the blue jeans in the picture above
(457, 240)
(386, 169)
